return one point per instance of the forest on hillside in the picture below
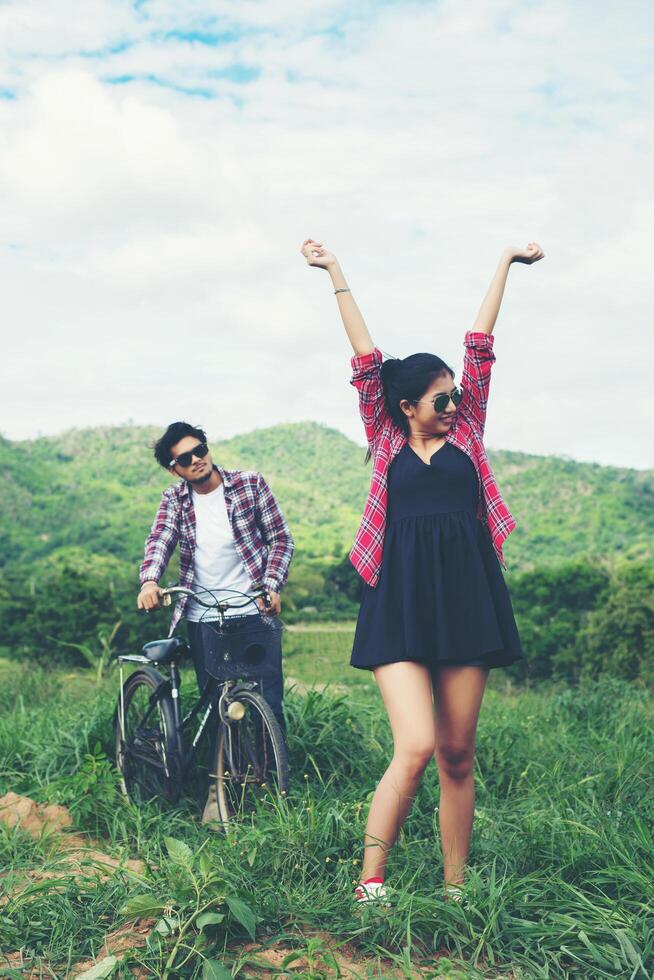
(75, 510)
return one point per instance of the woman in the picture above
(435, 614)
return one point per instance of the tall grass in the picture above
(561, 864)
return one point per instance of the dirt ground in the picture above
(84, 858)
(78, 855)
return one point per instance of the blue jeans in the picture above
(268, 672)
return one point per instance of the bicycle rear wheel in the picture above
(146, 748)
(250, 759)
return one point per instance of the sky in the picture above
(161, 163)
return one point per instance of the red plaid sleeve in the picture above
(366, 378)
(276, 534)
(475, 379)
(161, 541)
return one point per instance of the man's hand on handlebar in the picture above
(149, 597)
(271, 603)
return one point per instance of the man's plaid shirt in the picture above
(386, 440)
(261, 535)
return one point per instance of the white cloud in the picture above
(149, 228)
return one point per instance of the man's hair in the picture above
(172, 435)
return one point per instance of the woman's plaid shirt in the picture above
(261, 535)
(385, 440)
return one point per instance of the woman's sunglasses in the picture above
(440, 402)
(185, 459)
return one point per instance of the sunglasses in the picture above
(440, 402)
(185, 459)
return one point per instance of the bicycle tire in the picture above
(241, 772)
(148, 759)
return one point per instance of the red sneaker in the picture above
(370, 890)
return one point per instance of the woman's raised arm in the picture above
(493, 299)
(355, 326)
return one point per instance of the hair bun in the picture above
(390, 367)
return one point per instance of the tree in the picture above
(619, 636)
(552, 605)
(70, 598)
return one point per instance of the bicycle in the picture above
(155, 746)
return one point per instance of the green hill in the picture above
(98, 489)
(75, 509)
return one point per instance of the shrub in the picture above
(619, 636)
(552, 606)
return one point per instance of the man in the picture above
(231, 535)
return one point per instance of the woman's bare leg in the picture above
(458, 693)
(407, 692)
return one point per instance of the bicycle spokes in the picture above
(144, 763)
(249, 761)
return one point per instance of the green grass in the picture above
(561, 863)
(320, 657)
(319, 654)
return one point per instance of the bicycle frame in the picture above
(210, 702)
(212, 696)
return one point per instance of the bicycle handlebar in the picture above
(221, 605)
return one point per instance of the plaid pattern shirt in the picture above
(261, 535)
(386, 440)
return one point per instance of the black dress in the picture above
(441, 597)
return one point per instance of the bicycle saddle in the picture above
(163, 651)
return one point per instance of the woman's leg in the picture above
(407, 692)
(458, 692)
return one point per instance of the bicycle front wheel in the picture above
(147, 755)
(250, 759)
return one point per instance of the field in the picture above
(561, 867)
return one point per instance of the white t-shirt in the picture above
(217, 563)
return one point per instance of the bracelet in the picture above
(343, 290)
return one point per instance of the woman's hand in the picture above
(317, 255)
(490, 306)
(532, 253)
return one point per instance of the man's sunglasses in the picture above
(185, 459)
(440, 402)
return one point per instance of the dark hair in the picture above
(408, 378)
(172, 435)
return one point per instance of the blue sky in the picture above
(160, 163)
